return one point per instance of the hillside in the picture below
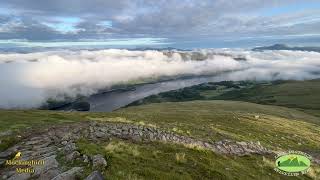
(131, 156)
(300, 95)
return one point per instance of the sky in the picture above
(163, 23)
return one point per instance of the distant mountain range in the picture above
(159, 49)
(286, 47)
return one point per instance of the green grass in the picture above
(20, 122)
(16, 120)
(128, 160)
(277, 127)
(302, 95)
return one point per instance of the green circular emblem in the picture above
(293, 163)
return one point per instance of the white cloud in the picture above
(27, 80)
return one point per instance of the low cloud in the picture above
(27, 80)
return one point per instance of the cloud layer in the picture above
(178, 20)
(27, 80)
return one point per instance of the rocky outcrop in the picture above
(142, 133)
(95, 175)
(62, 140)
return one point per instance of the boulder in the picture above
(69, 147)
(49, 174)
(72, 156)
(95, 175)
(50, 164)
(69, 175)
(98, 161)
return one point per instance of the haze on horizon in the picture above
(163, 23)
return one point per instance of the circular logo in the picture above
(296, 162)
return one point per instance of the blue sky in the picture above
(179, 23)
(291, 8)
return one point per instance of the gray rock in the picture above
(67, 137)
(6, 133)
(50, 164)
(43, 145)
(99, 134)
(2, 161)
(69, 147)
(22, 176)
(33, 142)
(85, 158)
(72, 156)
(95, 175)
(69, 175)
(7, 174)
(7, 153)
(49, 174)
(98, 161)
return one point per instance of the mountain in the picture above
(292, 163)
(286, 47)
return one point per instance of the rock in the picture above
(98, 161)
(242, 143)
(68, 175)
(6, 133)
(64, 143)
(22, 176)
(258, 143)
(50, 164)
(95, 175)
(67, 137)
(33, 142)
(9, 152)
(72, 156)
(49, 174)
(7, 174)
(85, 158)
(99, 134)
(2, 161)
(69, 147)
(45, 144)
(91, 129)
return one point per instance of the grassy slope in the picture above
(211, 120)
(276, 128)
(169, 161)
(216, 120)
(20, 122)
(302, 95)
